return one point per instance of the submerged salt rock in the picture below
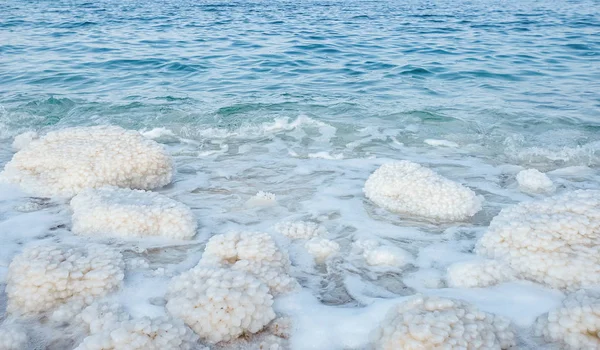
(262, 199)
(130, 213)
(321, 248)
(220, 304)
(376, 254)
(300, 229)
(479, 273)
(63, 163)
(13, 337)
(534, 181)
(45, 277)
(23, 140)
(408, 188)
(252, 252)
(575, 324)
(436, 323)
(554, 241)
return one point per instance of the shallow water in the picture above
(305, 100)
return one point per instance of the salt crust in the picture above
(408, 188)
(63, 163)
(130, 213)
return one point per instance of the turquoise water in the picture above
(305, 99)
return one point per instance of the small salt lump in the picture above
(534, 181)
(423, 322)
(130, 213)
(45, 277)
(575, 324)
(408, 188)
(220, 304)
(300, 229)
(63, 163)
(321, 249)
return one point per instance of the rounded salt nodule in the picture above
(143, 334)
(63, 163)
(130, 213)
(534, 181)
(554, 241)
(300, 229)
(408, 188)
(321, 248)
(478, 273)
(436, 323)
(376, 254)
(23, 140)
(220, 304)
(13, 337)
(252, 252)
(45, 277)
(575, 324)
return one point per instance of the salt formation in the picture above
(534, 181)
(436, 323)
(408, 188)
(12, 337)
(103, 316)
(575, 324)
(554, 241)
(478, 273)
(143, 334)
(262, 199)
(321, 248)
(252, 252)
(130, 213)
(24, 139)
(220, 304)
(375, 254)
(44, 277)
(300, 229)
(64, 162)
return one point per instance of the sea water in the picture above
(304, 99)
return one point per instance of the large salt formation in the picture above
(252, 252)
(130, 213)
(436, 323)
(554, 241)
(408, 188)
(65, 162)
(575, 324)
(44, 278)
(220, 304)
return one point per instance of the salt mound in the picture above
(436, 323)
(42, 278)
(143, 334)
(13, 337)
(376, 254)
(130, 213)
(24, 139)
(220, 304)
(471, 274)
(252, 252)
(64, 162)
(575, 324)
(534, 181)
(321, 248)
(300, 229)
(554, 241)
(408, 188)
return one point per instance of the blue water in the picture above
(488, 64)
